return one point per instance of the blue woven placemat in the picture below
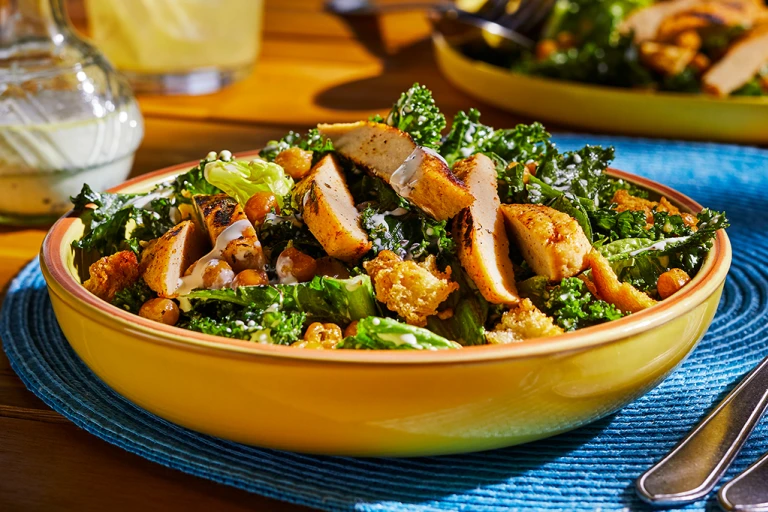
(591, 468)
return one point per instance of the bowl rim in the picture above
(62, 283)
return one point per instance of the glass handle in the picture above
(692, 469)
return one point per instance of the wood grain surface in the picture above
(314, 67)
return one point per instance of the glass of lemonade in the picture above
(178, 46)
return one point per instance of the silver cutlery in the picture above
(693, 467)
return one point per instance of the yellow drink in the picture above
(177, 37)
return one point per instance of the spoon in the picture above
(461, 29)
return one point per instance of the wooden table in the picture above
(314, 67)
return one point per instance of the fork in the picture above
(693, 467)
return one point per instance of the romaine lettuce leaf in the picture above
(242, 179)
(375, 333)
(326, 299)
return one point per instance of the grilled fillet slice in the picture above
(740, 64)
(329, 211)
(645, 23)
(165, 260)
(708, 15)
(416, 173)
(622, 295)
(480, 233)
(218, 212)
(552, 242)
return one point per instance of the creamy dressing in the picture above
(402, 339)
(44, 162)
(658, 246)
(195, 279)
(283, 265)
(354, 283)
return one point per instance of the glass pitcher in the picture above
(66, 117)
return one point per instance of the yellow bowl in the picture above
(607, 109)
(379, 403)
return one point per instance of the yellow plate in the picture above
(379, 403)
(608, 109)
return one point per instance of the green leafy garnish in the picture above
(250, 323)
(375, 333)
(117, 222)
(311, 141)
(133, 297)
(416, 114)
(573, 307)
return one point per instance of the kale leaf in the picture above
(466, 137)
(573, 307)
(133, 297)
(116, 222)
(191, 183)
(406, 232)
(415, 113)
(578, 172)
(311, 141)
(640, 261)
(250, 323)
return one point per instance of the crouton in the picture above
(622, 295)
(217, 213)
(479, 231)
(164, 262)
(412, 290)
(111, 274)
(552, 242)
(739, 65)
(329, 211)
(523, 322)
(625, 201)
(416, 173)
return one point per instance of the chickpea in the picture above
(186, 211)
(327, 335)
(671, 282)
(351, 329)
(217, 274)
(250, 277)
(545, 49)
(164, 311)
(294, 264)
(296, 162)
(331, 267)
(259, 205)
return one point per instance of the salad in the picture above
(387, 234)
(719, 47)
